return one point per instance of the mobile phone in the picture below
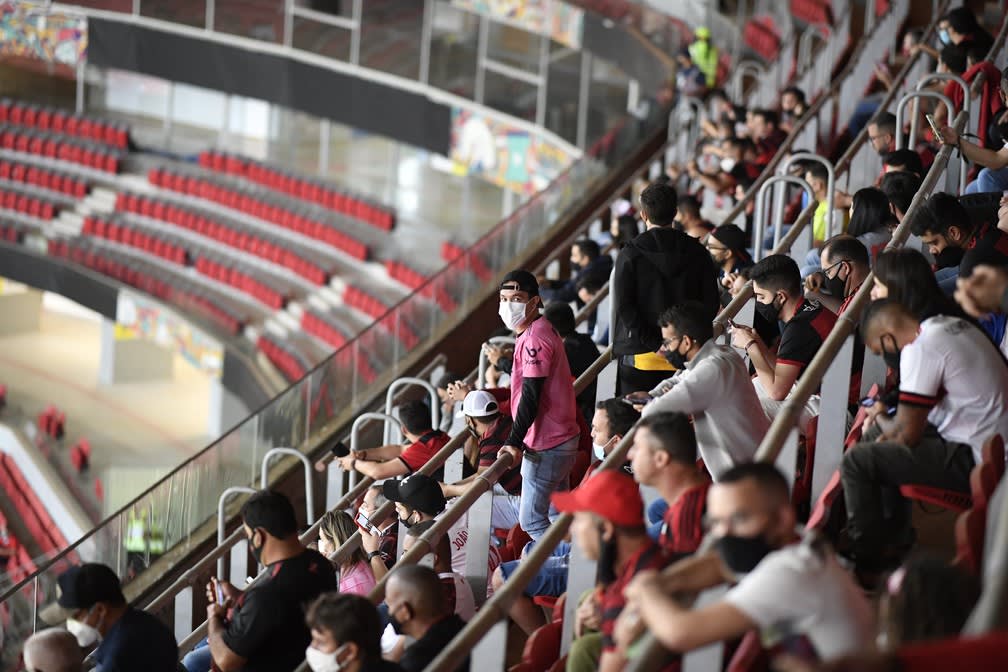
(868, 402)
(638, 398)
(364, 523)
(934, 125)
(731, 323)
(220, 593)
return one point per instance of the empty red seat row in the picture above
(392, 321)
(473, 262)
(316, 325)
(761, 35)
(32, 512)
(11, 232)
(356, 362)
(102, 131)
(289, 365)
(313, 191)
(146, 281)
(71, 150)
(193, 220)
(255, 207)
(812, 11)
(242, 281)
(127, 235)
(417, 281)
(43, 178)
(28, 205)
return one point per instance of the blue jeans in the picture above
(989, 180)
(543, 473)
(199, 659)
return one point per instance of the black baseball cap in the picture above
(417, 491)
(521, 281)
(732, 237)
(82, 587)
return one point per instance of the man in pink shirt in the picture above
(544, 435)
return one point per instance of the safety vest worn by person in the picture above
(705, 55)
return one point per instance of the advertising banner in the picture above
(140, 317)
(562, 22)
(32, 31)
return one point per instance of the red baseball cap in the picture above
(611, 494)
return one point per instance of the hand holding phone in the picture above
(934, 126)
(364, 523)
(637, 398)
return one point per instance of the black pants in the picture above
(629, 379)
(871, 473)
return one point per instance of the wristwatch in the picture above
(372, 555)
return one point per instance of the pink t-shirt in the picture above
(358, 580)
(539, 353)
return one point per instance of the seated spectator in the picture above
(900, 187)
(262, 627)
(91, 602)
(845, 267)
(664, 455)
(581, 351)
(793, 107)
(550, 581)
(903, 159)
(381, 538)
(824, 222)
(871, 220)
(764, 131)
(588, 288)
(994, 175)
(749, 513)
(713, 386)
(953, 397)
(612, 420)
(450, 420)
(417, 608)
(586, 260)
(882, 133)
(609, 527)
(963, 28)
(688, 219)
(779, 297)
(396, 460)
(984, 291)
(727, 247)
(490, 428)
(904, 275)
(355, 573)
(345, 632)
(500, 358)
(458, 592)
(623, 229)
(53, 650)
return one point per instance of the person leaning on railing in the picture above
(994, 176)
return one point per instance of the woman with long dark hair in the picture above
(872, 222)
(905, 275)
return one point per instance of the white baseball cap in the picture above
(479, 404)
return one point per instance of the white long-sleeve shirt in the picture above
(716, 390)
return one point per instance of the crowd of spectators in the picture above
(688, 508)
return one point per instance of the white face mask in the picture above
(512, 313)
(727, 164)
(324, 662)
(599, 449)
(85, 634)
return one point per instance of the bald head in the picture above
(421, 589)
(53, 650)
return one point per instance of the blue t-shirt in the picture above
(138, 641)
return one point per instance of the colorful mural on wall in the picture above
(139, 317)
(32, 31)
(503, 154)
(562, 22)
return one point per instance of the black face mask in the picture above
(256, 550)
(396, 624)
(676, 358)
(835, 286)
(742, 554)
(607, 559)
(890, 356)
(769, 311)
(949, 257)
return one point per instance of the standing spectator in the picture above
(587, 289)
(581, 351)
(609, 526)
(660, 268)
(623, 229)
(417, 608)
(490, 428)
(713, 385)
(355, 573)
(587, 261)
(953, 397)
(262, 627)
(96, 613)
(397, 460)
(53, 650)
(779, 297)
(544, 435)
(450, 420)
(663, 456)
(704, 55)
(789, 583)
(345, 635)
(381, 540)
(458, 592)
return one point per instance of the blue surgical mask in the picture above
(944, 36)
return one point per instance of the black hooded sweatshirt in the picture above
(657, 270)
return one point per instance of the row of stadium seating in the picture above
(44, 118)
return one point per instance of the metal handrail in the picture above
(779, 216)
(910, 140)
(309, 486)
(221, 521)
(391, 430)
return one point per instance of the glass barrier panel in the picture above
(513, 47)
(125, 6)
(321, 38)
(453, 51)
(563, 88)
(189, 13)
(258, 19)
(390, 37)
(509, 95)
